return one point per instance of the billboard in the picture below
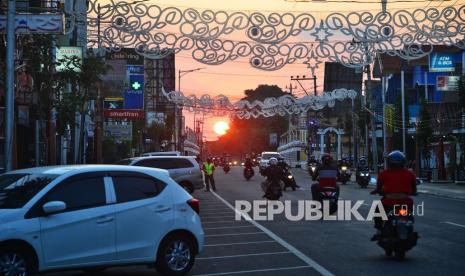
(447, 83)
(42, 23)
(124, 114)
(127, 54)
(443, 62)
(118, 131)
(67, 53)
(340, 76)
(134, 96)
(113, 103)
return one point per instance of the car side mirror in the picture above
(53, 207)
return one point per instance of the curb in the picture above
(439, 195)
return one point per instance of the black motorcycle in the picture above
(313, 171)
(363, 178)
(289, 180)
(398, 235)
(272, 190)
(248, 173)
(344, 174)
(328, 194)
(226, 168)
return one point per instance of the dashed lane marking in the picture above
(244, 255)
(295, 251)
(255, 271)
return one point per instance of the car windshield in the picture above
(17, 189)
(270, 155)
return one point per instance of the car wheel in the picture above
(176, 255)
(15, 260)
(187, 186)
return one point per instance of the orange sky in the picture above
(233, 77)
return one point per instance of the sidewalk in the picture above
(449, 190)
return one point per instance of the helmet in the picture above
(273, 161)
(396, 160)
(209, 159)
(326, 159)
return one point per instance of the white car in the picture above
(265, 159)
(92, 217)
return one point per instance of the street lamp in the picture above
(181, 73)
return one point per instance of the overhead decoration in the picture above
(244, 109)
(273, 40)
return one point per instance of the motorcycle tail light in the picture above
(328, 193)
(403, 212)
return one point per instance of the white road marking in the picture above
(221, 221)
(255, 271)
(223, 216)
(455, 224)
(238, 243)
(244, 255)
(227, 227)
(295, 251)
(235, 234)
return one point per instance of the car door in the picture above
(144, 214)
(84, 233)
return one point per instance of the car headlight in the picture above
(242, 164)
(230, 163)
(289, 176)
(235, 162)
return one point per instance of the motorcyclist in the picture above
(362, 166)
(248, 165)
(396, 184)
(273, 174)
(285, 168)
(328, 174)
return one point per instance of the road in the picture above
(320, 247)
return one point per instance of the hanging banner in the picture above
(118, 131)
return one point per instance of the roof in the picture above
(60, 170)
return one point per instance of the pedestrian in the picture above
(209, 169)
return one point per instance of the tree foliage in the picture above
(252, 135)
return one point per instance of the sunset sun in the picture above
(221, 127)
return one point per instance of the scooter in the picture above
(363, 178)
(329, 194)
(344, 174)
(398, 235)
(289, 181)
(273, 191)
(312, 171)
(248, 173)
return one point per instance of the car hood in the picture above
(9, 215)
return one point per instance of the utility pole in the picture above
(10, 70)
(304, 78)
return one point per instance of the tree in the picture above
(252, 135)
(424, 132)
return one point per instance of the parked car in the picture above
(162, 153)
(265, 158)
(91, 217)
(183, 169)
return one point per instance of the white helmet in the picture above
(273, 161)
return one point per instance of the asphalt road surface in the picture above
(283, 247)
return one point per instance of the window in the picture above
(17, 189)
(79, 193)
(136, 187)
(165, 163)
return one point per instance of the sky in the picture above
(233, 77)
